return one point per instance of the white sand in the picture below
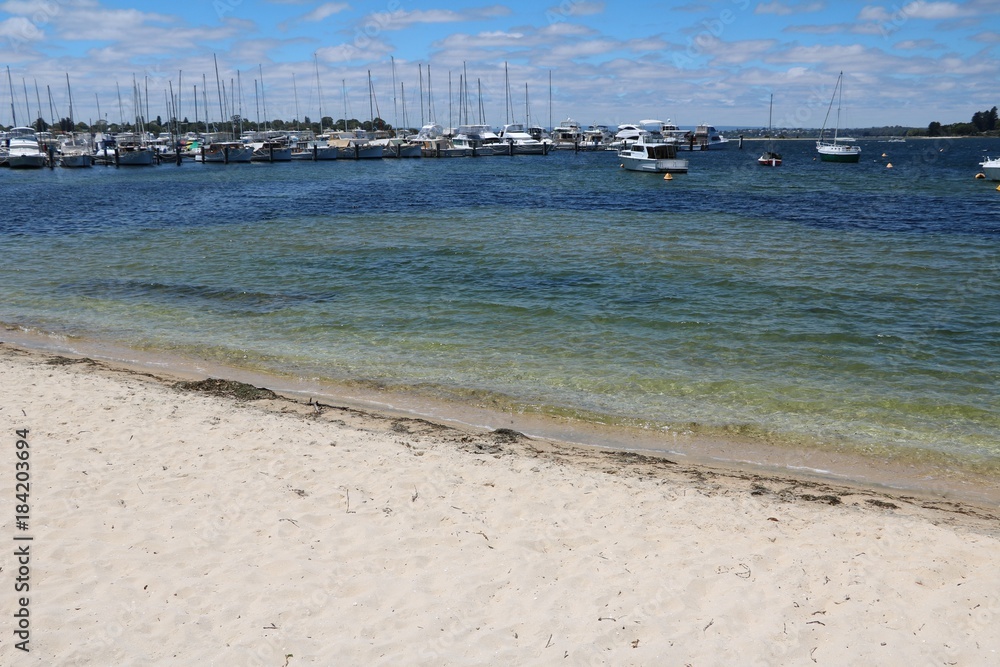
(180, 528)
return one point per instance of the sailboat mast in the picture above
(395, 111)
(218, 88)
(840, 99)
(371, 100)
(420, 71)
(13, 113)
(69, 94)
(295, 96)
(508, 109)
(319, 93)
(263, 100)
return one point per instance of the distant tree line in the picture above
(983, 122)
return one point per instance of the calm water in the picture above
(847, 306)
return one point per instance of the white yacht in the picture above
(225, 152)
(596, 137)
(435, 143)
(521, 142)
(705, 137)
(24, 150)
(481, 139)
(132, 150)
(567, 134)
(75, 151)
(355, 145)
(991, 168)
(652, 152)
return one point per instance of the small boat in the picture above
(355, 145)
(520, 142)
(705, 137)
(991, 168)
(24, 150)
(652, 153)
(225, 152)
(567, 134)
(479, 139)
(833, 151)
(132, 150)
(769, 158)
(435, 143)
(75, 151)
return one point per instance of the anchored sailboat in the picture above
(834, 152)
(769, 158)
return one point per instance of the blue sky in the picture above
(691, 61)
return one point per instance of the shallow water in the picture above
(849, 307)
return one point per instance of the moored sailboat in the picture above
(769, 158)
(834, 151)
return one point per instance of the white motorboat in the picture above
(355, 145)
(75, 151)
(991, 168)
(705, 137)
(132, 150)
(480, 139)
(567, 134)
(521, 142)
(435, 143)
(24, 150)
(651, 152)
(225, 152)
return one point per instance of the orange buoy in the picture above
(668, 177)
(888, 166)
(980, 175)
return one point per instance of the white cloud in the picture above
(784, 9)
(919, 9)
(325, 11)
(400, 19)
(576, 8)
(18, 29)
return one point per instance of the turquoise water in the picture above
(846, 306)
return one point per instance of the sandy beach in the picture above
(207, 523)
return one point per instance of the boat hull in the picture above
(317, 153)
(135, 158)
(76, 160)
(267, 154)
(769, 160)
(226, 155)
(838, 153)
(991, 169)
(840, 157)
(33, 161)
(656, 166)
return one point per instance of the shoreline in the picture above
(177, 520)
(928, 476)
